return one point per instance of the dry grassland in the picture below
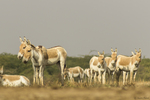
(75, 91)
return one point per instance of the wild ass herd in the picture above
(99, 66)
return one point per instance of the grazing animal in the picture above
(128, 64)
(111, 64)
(73, 72)
(87, 74)
(13, 80)
(97, 64)
(41, 57)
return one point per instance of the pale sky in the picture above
(77, 25)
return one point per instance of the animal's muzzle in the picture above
(19, 57)
(25, 61)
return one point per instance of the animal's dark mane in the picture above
(40, 46)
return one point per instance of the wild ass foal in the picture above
(111, 64)
(13, 80)
(74, 72)
(128, 64)
(97, 64)
(87, 74)
(41, 57)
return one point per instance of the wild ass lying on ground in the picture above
(13, 80)
(41, 57)
(73, 72)
(128, 64)
(97, 64)
(87, 74)
(111, 64)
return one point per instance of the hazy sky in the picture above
(77, 25)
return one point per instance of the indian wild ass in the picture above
(97, 64)
(41, 57)
(73, 72)
(128, 64)
(13, 80)
(87, 74)
(110, 63)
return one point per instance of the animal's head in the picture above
(137, 55)
(101, 58)
(28, 52)
(21, 48)
(65, 74)
(113, 56)
(1, 70)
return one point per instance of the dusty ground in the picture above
(141, 91)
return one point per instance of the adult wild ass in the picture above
(128, 64)
(73, 72)
(13, 80)
(111, 64)
(97, 64)
(125, 74)
(41, 57)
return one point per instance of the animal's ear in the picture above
(103, 53)
(140, 50)
(132, 53)
(99, 54)
(28, 42)
(25, 39)
(21, 40)
(65, 68)
(33, 46)
(1, 70)
(136, 51)
(116, 50)
(112, 50)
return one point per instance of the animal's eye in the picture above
(24, 47)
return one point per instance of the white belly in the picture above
(76, 75)
(12, 83)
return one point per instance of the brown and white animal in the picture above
(126, 74)
(87, 74)
(128, 64)
(74, 72)
(41, 57)
(97, 64)
(110, 63)
(13, 80)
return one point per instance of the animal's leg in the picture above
(103, 77)
(127, 77)
(25, 81)
(131, 74)
(134, 75)
(117, 76)
(34, 74)
(85, 77)
(113, 77)
(99, 76)
(41, 71)
(95, 75)
(37, 75)
(108, 76)
(124, 77)
(91, 71)
(62, 64)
